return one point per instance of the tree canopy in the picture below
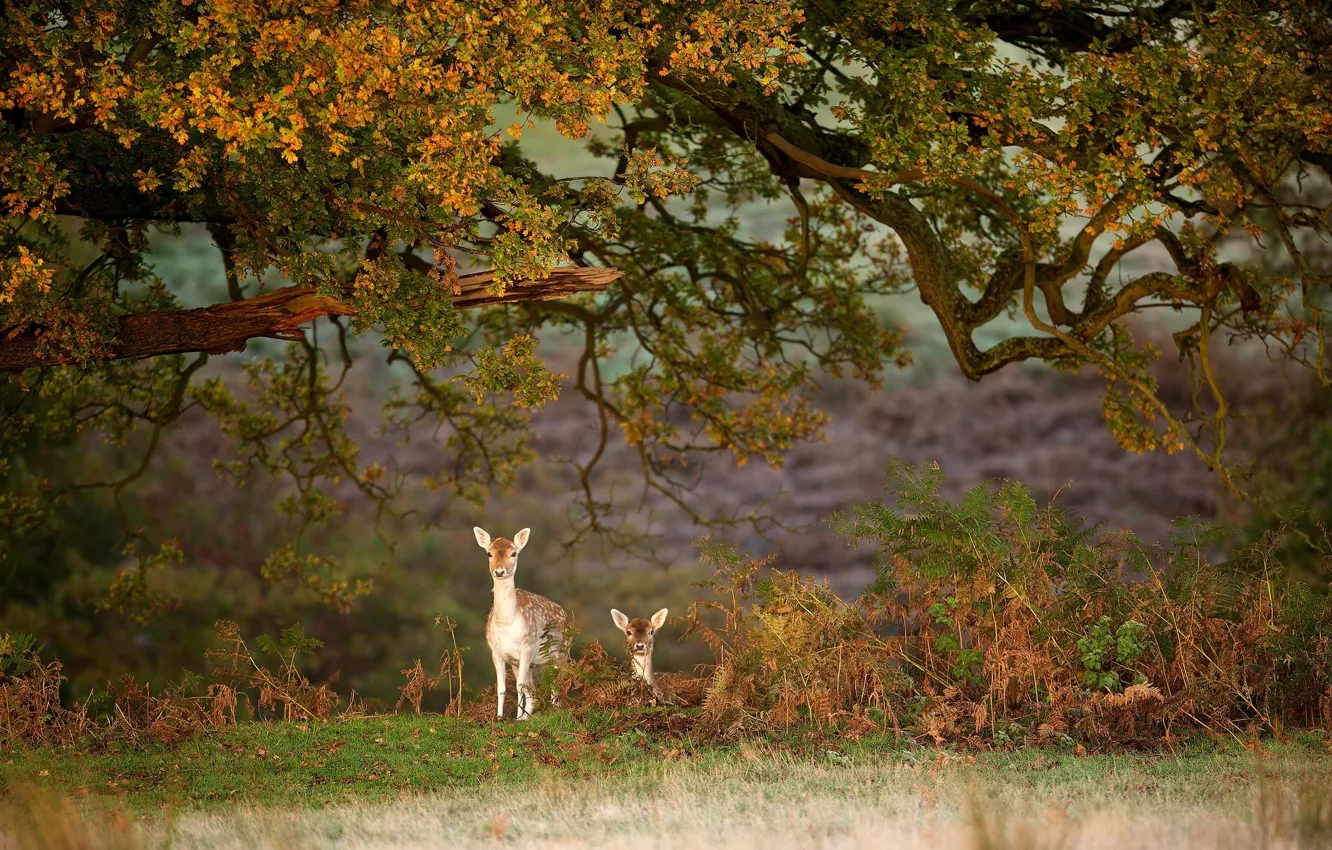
(997, 158)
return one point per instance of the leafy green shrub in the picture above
(1102, 648)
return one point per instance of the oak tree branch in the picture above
(279, 314)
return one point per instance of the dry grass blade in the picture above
(31, 819)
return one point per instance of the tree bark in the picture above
(278, 314)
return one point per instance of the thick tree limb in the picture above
(278, 314)
(822, 169)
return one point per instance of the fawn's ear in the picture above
(621, 621)
(520, 539)
(659, 618)
(482, 537)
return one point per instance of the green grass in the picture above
(601, 781)
(367, 759)
(316, 763)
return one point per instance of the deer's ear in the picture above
(520, 539)
(621, 621)
(659, 618)
(482, 537)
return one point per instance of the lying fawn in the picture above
(639, 637)
(524, 630)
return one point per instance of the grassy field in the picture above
(601, 781)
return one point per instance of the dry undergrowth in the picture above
(996, 623)
(31, 712)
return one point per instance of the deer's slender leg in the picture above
(557, 658)
(499, 683)
(524, 678)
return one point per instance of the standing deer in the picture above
(639, 634)
(524, 630)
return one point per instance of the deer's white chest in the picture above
(510, 639)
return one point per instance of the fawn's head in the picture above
(638, 632)
(503, 551)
